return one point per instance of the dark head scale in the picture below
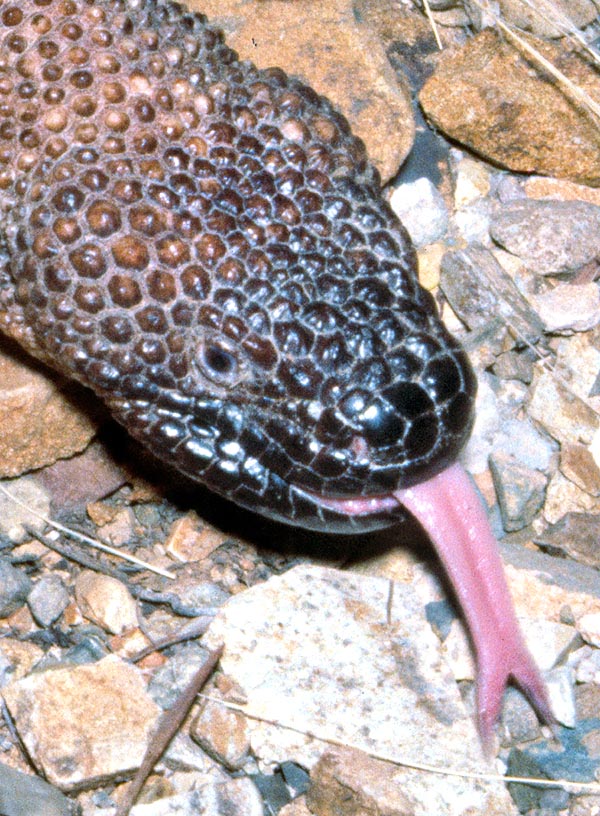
(205, 245)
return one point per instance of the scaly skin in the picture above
(205, 246)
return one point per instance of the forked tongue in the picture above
(450, 511)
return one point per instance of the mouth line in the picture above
(354, 505)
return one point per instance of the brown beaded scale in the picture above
(204, 244)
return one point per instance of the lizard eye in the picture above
(218, 363)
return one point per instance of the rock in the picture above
(478, 288)
(274, 791)
(560, 190)
(520, 490)
(26, 506)
(42, 420)
(560, 412)
(568, 307)
(589, 628)
(578, 365)
(296, 777)
(329, 48)
(544, 760)
(190, 540)
(575, 535)
(551, 237)
(73, 483)
(473, 222)
(234, 796)
(297, 807)
(516, 364)
(347, 782)
(60, 715)
(193, 598)
(548, 641)
(563, 496)
(312, 650)
(519, 721)
(542, 586)
(584, 805)
(487, 96)
(550, 19)
(578, 464)
(184, 755)
(14, 588)
(559, 683)
(171, 679)
(472, 182)
(48, 599)
(430, 258)
(27, 795)
(223, 734)
(106, 601)
(422, 210)
(17, 658)
(587, 696)
(116, 525)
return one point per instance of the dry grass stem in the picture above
(576, 93)
(92, 542)
(482, 776)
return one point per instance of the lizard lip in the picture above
(355, 505)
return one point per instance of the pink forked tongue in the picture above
(450, 511)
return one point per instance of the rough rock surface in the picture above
(328, 46)
(61, 714)
(351, 676)
(40, 421)
(487, 96)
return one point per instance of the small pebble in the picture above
(106, 601)
(169, 681)
(48, 599)
(15, 586)
(422, 210)
(569, 307)
(589, 628)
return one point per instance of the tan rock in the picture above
(189, 541)
(561, 190)
(578, 465)
(490, 97)
(548, 19)
(341, 58)
(223, 734)
(561, 412)
(569, 307)
(40, 419)
(346, 782)
(296, 808)
(83, 725)
(23, 506)
(106, 601)
(563, 496)
(121, 529)
(472, 182)
(21, 655)
(589, 628)
(430, 259)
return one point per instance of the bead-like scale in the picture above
(205, 245)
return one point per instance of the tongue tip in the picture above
(449, 509)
